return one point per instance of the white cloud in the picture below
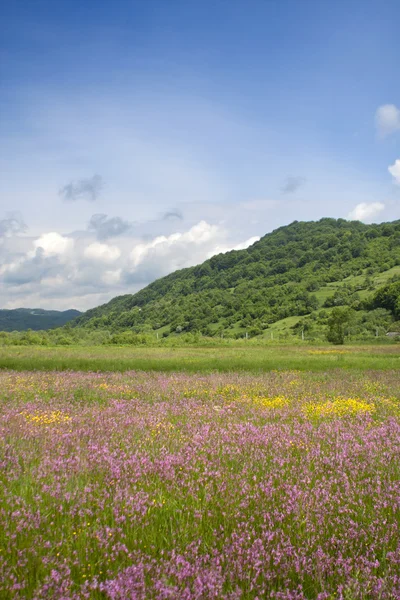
(394, 170)
(60, 271)
(387, 119)
(241, 246)
(102, 252)
(176, 246)
(49, 252)
(53, 244)
(365, 212)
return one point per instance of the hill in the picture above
(291, 278)
(21, 319)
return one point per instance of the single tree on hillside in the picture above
(338, 324)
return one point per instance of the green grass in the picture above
(328, 290)
(194, 359)
(283, 325)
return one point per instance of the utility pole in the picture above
(302, 334)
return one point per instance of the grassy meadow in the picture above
(233, 357)
(144, 485)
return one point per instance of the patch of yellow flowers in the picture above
(54, 417)
(341, 407)
(275, 402)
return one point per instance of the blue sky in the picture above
(163, 115)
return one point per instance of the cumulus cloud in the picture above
(102, 252)
(12, 225)
(394, 170)
(177, 250)
(31, 268)
(106, 227)
(292, 184)
(50, 254)
(52, 244)
(52, 268)
(83, 189)
(387, 119)
(365, 212)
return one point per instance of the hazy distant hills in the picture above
(21, 319)
(297, 272)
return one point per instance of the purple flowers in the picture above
(133, 486)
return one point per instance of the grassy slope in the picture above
(284, 326)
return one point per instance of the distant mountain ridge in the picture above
(21, 319)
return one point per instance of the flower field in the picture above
(131, 486)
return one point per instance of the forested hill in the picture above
(295, 271)
(21, 319)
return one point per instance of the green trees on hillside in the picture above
(278, 277)
(388, 297)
